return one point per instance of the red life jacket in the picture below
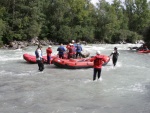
(70, 50)
(98, 61)
(48, 51)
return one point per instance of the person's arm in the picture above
(64, 49)
(104, 60)
(110, 54)
(92, 59)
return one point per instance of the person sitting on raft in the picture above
(146, 48)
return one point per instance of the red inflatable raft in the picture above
(32, 59)
(144, 51)
(76, 63)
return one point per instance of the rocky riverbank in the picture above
(33, 42)
(23, 44)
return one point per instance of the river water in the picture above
(123, 89)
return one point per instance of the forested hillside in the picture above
(64, 20)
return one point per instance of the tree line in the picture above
(65, 20)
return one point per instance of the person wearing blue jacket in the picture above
(78, 50)
(61, 51)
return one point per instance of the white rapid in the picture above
(123, 89)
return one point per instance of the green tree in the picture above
(2, 25)
(23, 19)
(107, 21)
(71, 14)
(138, 13)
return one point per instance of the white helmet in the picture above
(98, 52)
(49, 46)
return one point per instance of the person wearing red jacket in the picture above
(70, 51)
(49, 51)
(98, 61)
(67, 46)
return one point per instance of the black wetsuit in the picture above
(115, 54)
(40, 65)
(97, 70)
(115, 57)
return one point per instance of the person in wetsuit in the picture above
(115, 54)
(98, 61)
(39, 59)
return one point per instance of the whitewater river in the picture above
(123, 89)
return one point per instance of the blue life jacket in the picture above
(36, 54)
(78, 48)
(61, 50)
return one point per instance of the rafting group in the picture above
(72, 58)
(142, 49)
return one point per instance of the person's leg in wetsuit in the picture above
(41, 65)
(48, 59)
(99, 73)
(94, 74)
(114, 61)
(61, 56)
(77, 54)
(38, 62)
(80, 55)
